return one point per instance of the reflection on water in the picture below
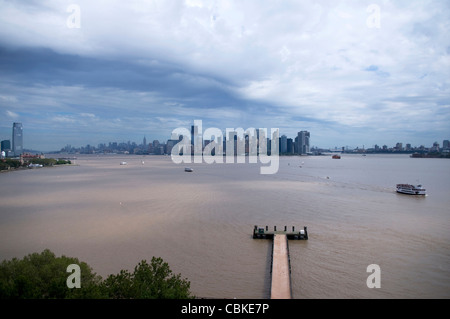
(112, 216)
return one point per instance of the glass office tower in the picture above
(17, 139)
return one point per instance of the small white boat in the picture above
(35, 165)
(188, 169)
(411, 189)
(123, 163)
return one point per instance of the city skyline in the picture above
(299, 145)
(351, 73)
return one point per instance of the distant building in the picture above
(283, 144)
(446, 144)
(194, 132)
(17, 139)
(158, 150)
(196, 140)
(6, 146)
(435, 147)
(260, 134)
(170, 144)
(290, 146)
(303, 142)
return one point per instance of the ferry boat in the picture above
(411, 189)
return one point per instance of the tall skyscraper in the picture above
(196, 138)
(17, 139)
(283, 144)
(303, 142)
(194, 132)
(290, 146)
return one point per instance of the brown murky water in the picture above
(112, 216)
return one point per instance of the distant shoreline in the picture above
(14, 164)
(24, 168)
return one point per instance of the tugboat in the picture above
(411, 189)
(336, 156)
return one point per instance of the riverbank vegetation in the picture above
(10, 163)
(45, 276)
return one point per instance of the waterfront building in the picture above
(196, 139)
(283, 144)
(17, 139)
(435, 147)
(170, 144)
(6, 146)
(290, 146)
(194, 133)
(303, 142)
(446, 144)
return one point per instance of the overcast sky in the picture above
(352, 73)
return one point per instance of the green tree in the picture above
(43, 161)
(148, 281)
(44, 275)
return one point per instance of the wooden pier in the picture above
(265, 233)
(281, 274)
(281, 267)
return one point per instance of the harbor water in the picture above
(112, 216)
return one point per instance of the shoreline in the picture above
(23, 168)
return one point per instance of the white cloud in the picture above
(11, 114)
(308, 59)
(88, 115)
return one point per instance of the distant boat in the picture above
(123, 163)
(35, 165)
(411, 189)
(336, 156)
(188, 169)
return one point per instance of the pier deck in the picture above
(281, 268)
(281, 280)
(261, 233)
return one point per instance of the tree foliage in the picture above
(8, 162)
(43, 276)
(148, 281)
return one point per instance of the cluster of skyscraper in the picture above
(17, 142)
(241, 141)
(300, 145)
